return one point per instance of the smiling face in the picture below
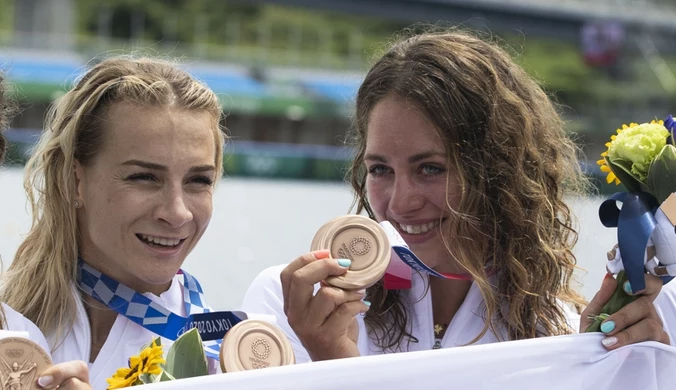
(408, 175)
(146, 198)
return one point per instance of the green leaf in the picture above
(622, 169)
(146, 378)
(163, 377)
(662, 173)
(186, 358)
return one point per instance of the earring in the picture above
(77, 204)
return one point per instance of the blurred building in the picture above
(287, 71)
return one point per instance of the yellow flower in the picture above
(606, 169)
(123, 377)
(148, 362)
(602, 162)
(636, 144)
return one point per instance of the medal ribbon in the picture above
(140, 309)
(403, 261)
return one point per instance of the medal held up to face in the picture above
(21, 362)
(255, 344)
(359, 239)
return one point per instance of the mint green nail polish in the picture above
(627, 287)
(608, 326)
(367, 303)
(344, 262)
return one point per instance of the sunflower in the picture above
(148, 362)
(123, 377)
(605, 168)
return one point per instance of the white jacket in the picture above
(15, 322)
(265, 296)
(124, 340)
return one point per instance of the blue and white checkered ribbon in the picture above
(140, 309)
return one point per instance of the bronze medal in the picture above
(254, 344)
(361, 240)
(21, 362)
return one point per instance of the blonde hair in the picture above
(507, 143)
(39, 281)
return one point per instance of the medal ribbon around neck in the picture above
(403, 261)
(140, 309)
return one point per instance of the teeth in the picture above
(418, 229)
(160, 240)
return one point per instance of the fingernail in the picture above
(367, 303)
(609, 341)
(344, 262)
(321, 254)
(608, 326)
(361, 292)
(45, 381)
(627, 287)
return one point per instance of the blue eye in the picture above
(431, 170)
(378, 170)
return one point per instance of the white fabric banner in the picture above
(563, 362)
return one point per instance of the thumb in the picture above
(600, 299)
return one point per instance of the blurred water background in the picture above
(259, 223)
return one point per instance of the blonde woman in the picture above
(467, 157)
(121, 188)
(68, 375)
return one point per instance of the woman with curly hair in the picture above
(466, 156)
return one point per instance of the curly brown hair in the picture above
(515, 162)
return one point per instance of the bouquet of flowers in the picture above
(185, 359)
(642, 157)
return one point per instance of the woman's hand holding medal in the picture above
(22, 359)
(324, 322)
(350, 253)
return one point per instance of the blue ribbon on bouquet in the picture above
(140, 309)
(635, 223)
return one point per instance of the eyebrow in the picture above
(159, 167)
(413, 159)
(202, 168)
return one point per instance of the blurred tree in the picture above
(258, 35)
(6, 15)
(157, 13)
(222, 22)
